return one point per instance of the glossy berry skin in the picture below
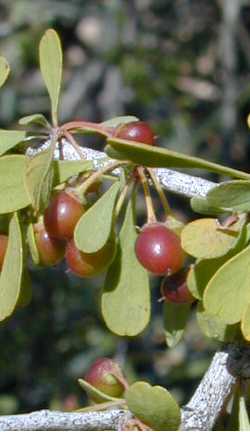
(51, 251)
(159, 250)
(138, 131)
(175, 289)
(3, 248)
(104, 375)
(62, 215)
(88, 265)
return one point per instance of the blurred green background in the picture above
(181, 65)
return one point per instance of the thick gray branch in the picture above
(173, 181)
(200, 413)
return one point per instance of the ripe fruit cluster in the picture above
(157, 248)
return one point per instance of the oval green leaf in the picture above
(4, 70)
(116, 121)
(63, 170)
(39, 178)
(245, 323)
(233, 195)
(38, 119)
(126, 293)
(13, 192)
(11, 275)
(98, 221)
(202, 206)
(94, 393)
(175, 320)
(154, 406)
(227, 293)
(153, 156)
(203, 238)
(212, 327)
(9, 139)
(50, 54)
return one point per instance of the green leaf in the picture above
(227, 293)
(39, 178)
(65, 169)
(13, 191)
(116, 121)
(245, 322)
(175, 319)
(50, 53)
(98, 221)
(38, 119)
(9, 139)
(213, 327)
(233, 195)
(154, 406)
(202, 206)
(4, 70)
(126, 293)
(204, 238)
(32, 244)
(200, 274)
(244, 424)
(11, 275)
(151, 156)
(95, 394)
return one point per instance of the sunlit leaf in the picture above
(154, 406)
(234, 195)
(50, 53)
(98, 221)
(13, 192)
(4, 70)
(126, 294)
(63, 170)
(153, 156)
(11, 275)
(227, 293)
(9, 139)
(214, 328)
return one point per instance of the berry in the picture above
(3, 247)
(106, 376)
(88, 265)
(175, 289)
(51, 251)
(62, 215)
(138, 131)
(159, 250)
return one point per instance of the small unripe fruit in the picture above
(175, 290)
(51, 251)
(138, 131)
(106, 376)
(62, 215)
(88, 265)
(3, 247)
(159, 250)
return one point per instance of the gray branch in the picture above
(174, 181)
(200, 413)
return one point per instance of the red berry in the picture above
(62, 215)
(106, 376)
(51, 251)
(3, 247)
(175, 289)
(159, 249)
(138, 131)
(88, 265)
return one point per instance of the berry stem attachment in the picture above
(73, 142)
(151, 217)
(81, 190)
(160, 192)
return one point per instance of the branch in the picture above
(200, 413)
(174, 181)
